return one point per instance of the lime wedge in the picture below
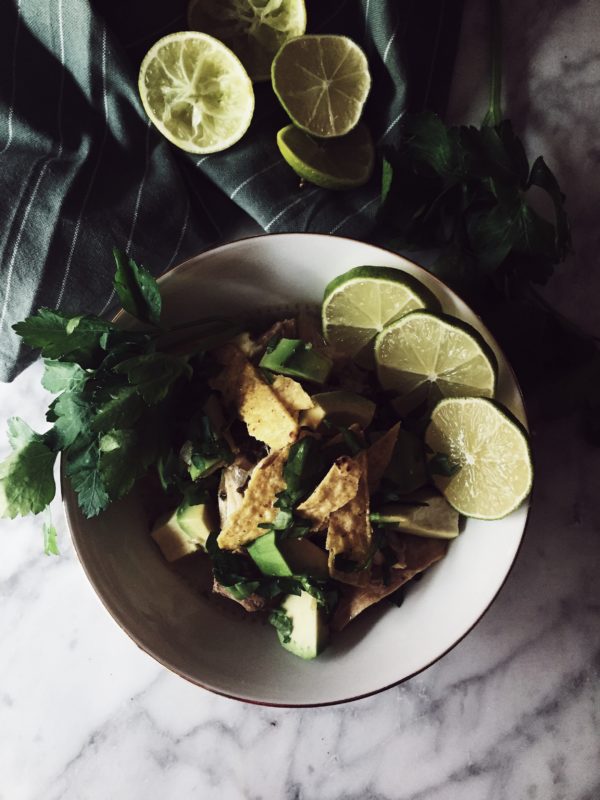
(426, 357)
(196, 92)
(322, 82)
(491, 452)
(253, 29)
(341, 163)
(360, 303)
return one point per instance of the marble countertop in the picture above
(513, 712)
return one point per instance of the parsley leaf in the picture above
(61, 375)
(26, 475)
(71, 414)
(56, 335)
(153, 374)
(137, 289)
(282, 623)
(83, 469)
(50, 542)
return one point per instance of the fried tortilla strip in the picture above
(336, 489)
(291, 394)
(379, 455)
(266, 481)
(242, 386)
(349, 533)
(419, 554)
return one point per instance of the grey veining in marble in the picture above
(512, 713)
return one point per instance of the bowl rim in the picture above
(240, 698)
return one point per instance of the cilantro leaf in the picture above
(50, 542)
(120, 463)
(153, 374)
(72, 415)
(61, 375)
(117, 407)
(83, 469)
(542, 176)
(26, 475)
(19, 433)
(137, 289)
(68, 338)
(282, 623)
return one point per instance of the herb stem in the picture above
(494, 112)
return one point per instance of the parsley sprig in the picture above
(468, 194)
(113, 414)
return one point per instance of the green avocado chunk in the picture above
(288, 557)
(297, 359)
(309, 633)
(431, 515)
(184, 531)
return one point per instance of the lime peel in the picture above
(196, 92)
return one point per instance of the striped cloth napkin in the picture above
(82, 170)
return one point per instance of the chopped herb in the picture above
(282, 623)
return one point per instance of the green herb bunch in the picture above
(467, 193)
(113, 414)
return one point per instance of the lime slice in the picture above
(361, 302)
(426, 357)
(253, 29)
(196, 92)
(491, 451)
(322, 82)
(346, 408)
(341, 163)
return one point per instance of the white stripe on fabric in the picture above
(201, 160)
(107, 304)
(11, 264)
(48, 161)
(94, 173)
(181, 235)
(11, 108)
(140, 190)
(291, 205)
(61, 38)
(251, 178)
(389, 127)
(389, 44)
(354, 214)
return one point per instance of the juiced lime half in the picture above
(341, 163)
(424, 356)
(360, 303)
(322, 82)
(489, 451)
(253, 29)
(196, 92)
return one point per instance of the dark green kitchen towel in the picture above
(82, 170)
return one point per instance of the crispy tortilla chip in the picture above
(242, 386)
(419, 554)
(291, 394)
(379, 455)
(336, 489)
(349, 532)
(241, 527)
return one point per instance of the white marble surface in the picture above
(513, 712)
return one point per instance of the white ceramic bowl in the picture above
(237, 657)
